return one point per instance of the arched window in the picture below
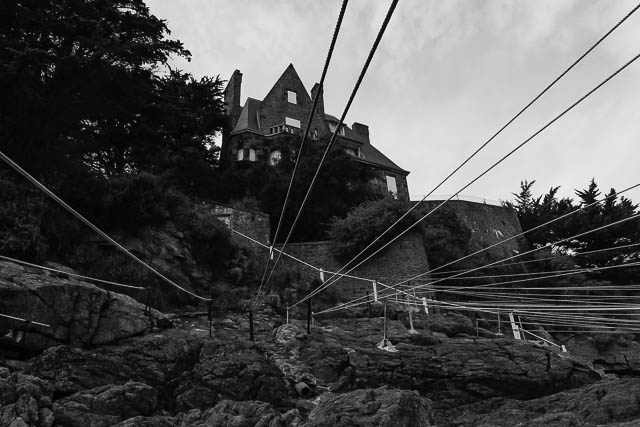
(275, 157)
(252, 155)
(240, 154)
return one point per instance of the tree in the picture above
(84, 93)
(533, 212)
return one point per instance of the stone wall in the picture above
(489, 224)
(402, 259)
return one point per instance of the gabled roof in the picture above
(248, 120)
(289, 71)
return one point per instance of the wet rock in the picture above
(380, 407)
(105, 406)
(78, 312)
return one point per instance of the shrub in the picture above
(446, 237)
(21, 212)
(364, 223)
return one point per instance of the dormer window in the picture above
(292, 97)
(314, 134)
(292, 122)
(341, 130)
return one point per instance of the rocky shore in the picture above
(107, 361)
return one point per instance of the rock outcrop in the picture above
(79, 313)
(603, 403)
(454, 371)
(105, 406)
(380, 407)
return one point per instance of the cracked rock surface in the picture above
(78, 312)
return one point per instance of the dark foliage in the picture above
(446, 238)
(342, 184)
(364, 223)
(534, 212)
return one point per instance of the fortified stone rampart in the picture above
(488, 223)
(401, 260)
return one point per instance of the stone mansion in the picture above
(250, 130)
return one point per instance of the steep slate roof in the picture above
(248, 120)
(370, 154)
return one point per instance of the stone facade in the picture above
(251, 132)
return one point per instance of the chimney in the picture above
(232, 98)
(361, 129)
(320, 107)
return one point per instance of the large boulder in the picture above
(156, 360)
(79, 313)
(603, 403)
(232, 370)
(616, 354)
(380, 407)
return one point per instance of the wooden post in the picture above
(499, 331)
(210, 317)
(384, 323)
(287, 315)
(424, 303)
(251, 337)
(309, 316)
(322, 275)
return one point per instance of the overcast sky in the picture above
(447, 75)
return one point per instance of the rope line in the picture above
(293, 257)
(93, 279)
(304, 139)
(89, 224)
(571, 107)
(335, 132)
(355, 303)
(489, 140)
(327, 284)
(563, 256)
(31, 322)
